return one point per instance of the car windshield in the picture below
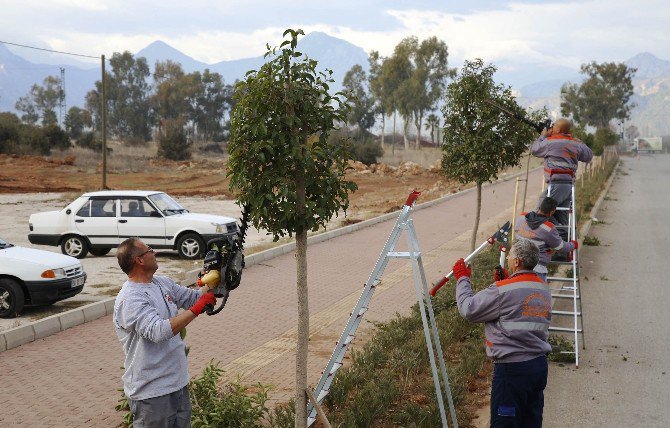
(166, 204)
(4, 244)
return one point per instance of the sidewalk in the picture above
(71, 378)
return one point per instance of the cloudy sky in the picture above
(510, 34)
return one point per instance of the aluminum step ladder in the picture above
(568, 288)
(403, 224)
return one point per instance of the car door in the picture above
(96, 220)
(139, 218)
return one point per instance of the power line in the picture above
(49, 50)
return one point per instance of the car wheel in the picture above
(74, 246)
(98, 252)
(191, 246)
(11, 298)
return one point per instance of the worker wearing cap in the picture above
(536, 227)
(516, 313)
(562, 153)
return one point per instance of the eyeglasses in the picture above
(150, 250)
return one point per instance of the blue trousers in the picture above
(517, 394)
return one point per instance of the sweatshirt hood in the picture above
(534, 219)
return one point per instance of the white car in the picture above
(35, 277)
(96, 222)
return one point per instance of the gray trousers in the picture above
(562, 192)
(167, 411)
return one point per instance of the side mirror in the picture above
(68, 211)
(155, 214)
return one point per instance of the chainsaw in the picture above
(223, 264)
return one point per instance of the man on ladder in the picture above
(536, 227)
(516, 313)
(562, 153)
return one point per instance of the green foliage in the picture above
(279, 132)
(592, 241)
(562, 349)
(361, 112)
(480, 140)
(76, 120)
(127, 91)
(231, 405)
(41, 102)
(57, 138)
(368, 151)
(32, 140)
(604, 94)
(90, 140)
(172, 141)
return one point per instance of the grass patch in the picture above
(592, 241)
(110, 292)
(560, 348)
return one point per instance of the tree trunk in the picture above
(432, 134)
(383, 128)
(475, 229)
(393, 146)
(418, 118)
(405, 125)
(303, 309)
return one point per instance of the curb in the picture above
(53, 324)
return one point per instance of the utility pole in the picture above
(61, 98)
(104, 127)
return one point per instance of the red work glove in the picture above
(496, 276)
(461, 270)
(205, 299)
(575, 243)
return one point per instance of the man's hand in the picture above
(461, 270)
(205, 299)
(496, 274)
(575, 243)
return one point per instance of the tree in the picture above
(172, 141)
(430, 73)
(361, 110)
(76, 120)
(282, 167)
(41, 102)
(632, 133)
(432, 123)
(480, 140)
(603, 96)
(213, 98)
(127, 93)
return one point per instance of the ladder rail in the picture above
(356, 316)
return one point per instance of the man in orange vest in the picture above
(562, 153)
(516, 313)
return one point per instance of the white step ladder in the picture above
(568, 288)
(404, 223)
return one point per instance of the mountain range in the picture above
(534, 85)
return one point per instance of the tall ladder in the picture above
(403, 223)
(568, 287)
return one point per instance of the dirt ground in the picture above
(30, 184)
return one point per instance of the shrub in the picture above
(32, 140)
(90, 140)
(172, 141)
(58, 139)
(368, 152)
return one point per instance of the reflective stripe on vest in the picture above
(522, 325)
(524, 285)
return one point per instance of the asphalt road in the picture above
(624, 374)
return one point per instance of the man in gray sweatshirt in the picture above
(147, 323)
(516, 313)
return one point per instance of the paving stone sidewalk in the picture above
(70, 379)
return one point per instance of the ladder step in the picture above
(336, 367)
(559, 279)
(565, 329)
(563, 208)
(565, 313)
(322, 394)
(362, 311)
(564, 296)
(348, 340)
(403, 255)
